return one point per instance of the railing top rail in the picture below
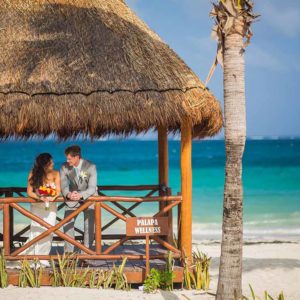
(7, 200)
(129, 187)
(100, 188)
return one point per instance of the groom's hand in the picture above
(71, 195)
(77, 196)
(74, 196)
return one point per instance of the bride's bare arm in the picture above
(30, 191)
(57, 183)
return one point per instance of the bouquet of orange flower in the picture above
(47, 190)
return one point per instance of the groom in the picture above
(78, 183)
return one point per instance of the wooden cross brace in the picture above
(51, 229)
(156, 238)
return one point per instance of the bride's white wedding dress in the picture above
(43, 246)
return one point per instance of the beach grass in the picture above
(3, 272)
(196, 274)
(266, 296)
(30, 274)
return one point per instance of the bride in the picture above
(41, 177)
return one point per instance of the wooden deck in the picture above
(135, 270)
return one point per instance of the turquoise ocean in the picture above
(271, 178)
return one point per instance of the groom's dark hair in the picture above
(73, 150)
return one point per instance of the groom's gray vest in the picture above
(85, 183)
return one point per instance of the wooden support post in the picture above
(186, 189)
(163, 167)
(178, 222)
(98, 227)
(6, 229)
(163, 164)
(147, 255)
(170, 237)
(11, 221)
(163, 173)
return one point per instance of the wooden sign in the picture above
(143, 226)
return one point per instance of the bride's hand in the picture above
(47, 199)
(50, 199)
(43, 198)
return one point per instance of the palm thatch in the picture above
(92, 68)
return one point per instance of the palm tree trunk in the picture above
(230, 273)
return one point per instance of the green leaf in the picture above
(252, 292)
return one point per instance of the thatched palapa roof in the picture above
(93, 68)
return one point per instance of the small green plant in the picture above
(158, 279)
(30, 275)
(266, 296)
(3, 272)
(166, 280)
(152, 282)
(161, 279)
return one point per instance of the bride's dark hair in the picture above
(39, 169)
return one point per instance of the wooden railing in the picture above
(9, 203)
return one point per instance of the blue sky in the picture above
(272, 58)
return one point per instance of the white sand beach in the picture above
(274, 267)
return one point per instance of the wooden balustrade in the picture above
(102, 202)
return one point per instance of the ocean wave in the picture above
(296, 214)
(215, 229)
(258, 231)
(288, 221)
(260, 220)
